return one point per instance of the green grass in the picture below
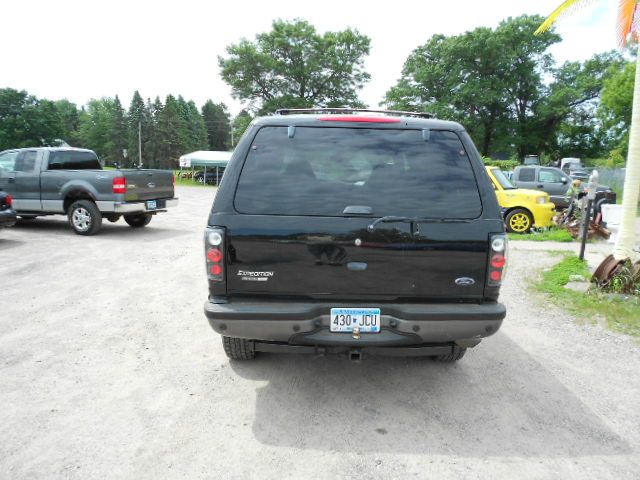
(550, 235)
(621, 315)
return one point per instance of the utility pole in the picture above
(139, 144)
(232, 138)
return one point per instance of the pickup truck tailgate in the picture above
(148, 184)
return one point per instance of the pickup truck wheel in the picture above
(84, 217)
(138, 221)
(452, 357)
(238, 348)
(518, 221)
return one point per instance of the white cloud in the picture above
(87, 49)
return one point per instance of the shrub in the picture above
(501, 164)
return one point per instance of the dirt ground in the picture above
(108, 369)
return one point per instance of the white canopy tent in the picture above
(207, 159)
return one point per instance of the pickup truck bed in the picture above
(50, 181)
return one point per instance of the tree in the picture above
(294, 66)
(196, 129)
(119, 140)
(26, 121)
(240, 125)
(171, 133)
(139, 124)
(218, 125)
(487, 79)
(153, 148)
(70, 118)
(103, 129)
(503, 85)
(564, 115)
(627, 25)
(615, 106)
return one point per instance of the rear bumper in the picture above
(7, 218)
(307, 323)
(134, 207)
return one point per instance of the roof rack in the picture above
(401, 113)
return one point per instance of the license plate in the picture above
(151, 205)
(367, 320)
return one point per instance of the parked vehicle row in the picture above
(522, 209)
(556, 182)
(72, 182)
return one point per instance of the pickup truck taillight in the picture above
(214, 251)
(9, 200)
(497, 260)
(119, 185)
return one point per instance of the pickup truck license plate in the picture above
(346, 319)
(151, 205)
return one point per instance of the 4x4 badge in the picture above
(465, 281)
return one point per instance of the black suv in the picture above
(358, 232)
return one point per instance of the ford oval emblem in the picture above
(465, 281)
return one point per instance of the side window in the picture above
(550, 176)
(73, 160)
(26, 162)
(8, 161)
(527, 175)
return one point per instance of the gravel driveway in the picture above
(109, 369)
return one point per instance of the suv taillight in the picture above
(214, 253)
(497, 259)
(119, 185)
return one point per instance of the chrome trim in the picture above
(137, 207)
(27, 205)
(53, 206)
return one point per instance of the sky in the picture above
(94, 48)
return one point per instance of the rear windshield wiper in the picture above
(392, 219)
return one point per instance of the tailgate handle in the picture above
(357, 266)
(357, 210)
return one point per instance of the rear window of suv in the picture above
(323, 170)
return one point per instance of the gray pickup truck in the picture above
(71, 181)
(556, 183)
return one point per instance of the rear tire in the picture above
(138, 221)
(518, 221)
(84, 217)
(238, 348)
(451, 357)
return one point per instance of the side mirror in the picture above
(564, 180)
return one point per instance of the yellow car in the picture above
(521, 208)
